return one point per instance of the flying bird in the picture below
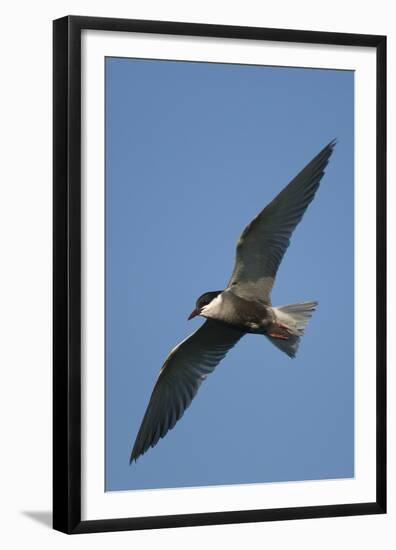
(243, 307)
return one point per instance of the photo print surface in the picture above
(194, 151)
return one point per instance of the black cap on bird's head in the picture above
(203, 301)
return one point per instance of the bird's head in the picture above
(203, 301)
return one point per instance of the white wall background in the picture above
(25, 274)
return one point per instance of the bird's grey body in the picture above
(244, 306)
(250, 316)
(283, 325)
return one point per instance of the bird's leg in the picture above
(277, 335)
(280, 331)
(281, 325)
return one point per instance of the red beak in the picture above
(194, 313)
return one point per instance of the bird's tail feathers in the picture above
(295, 317)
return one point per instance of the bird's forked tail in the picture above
(291, 321)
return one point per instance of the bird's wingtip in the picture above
(134, 456)
(333, 143)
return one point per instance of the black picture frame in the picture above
(67, 274)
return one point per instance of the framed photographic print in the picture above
(219, 274)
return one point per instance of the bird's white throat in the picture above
(213, 308)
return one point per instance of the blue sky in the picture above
(193, 152)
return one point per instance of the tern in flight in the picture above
(243, 307)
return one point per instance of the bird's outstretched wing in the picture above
(264, 241)
(185, 368)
